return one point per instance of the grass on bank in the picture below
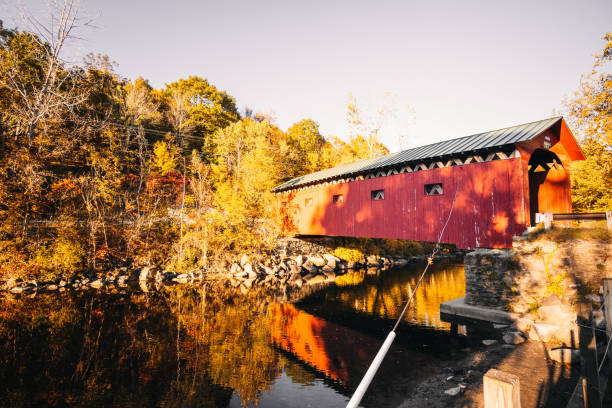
(590, 230)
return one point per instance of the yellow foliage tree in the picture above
(590, 114)
(163, 160)
(308, 142)
(248, 166)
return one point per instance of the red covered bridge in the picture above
(502, 178)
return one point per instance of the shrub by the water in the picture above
(348, 254)
(62, 259)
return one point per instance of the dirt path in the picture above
(543, 383)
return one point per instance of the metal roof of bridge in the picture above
(472, 143)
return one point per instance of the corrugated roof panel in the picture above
(469, 144)
(499, 137)
(453, 144)
(438, 149)
(495, 138)
(509, 136)
(541, 128)
(521, 134)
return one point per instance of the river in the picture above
(205, 346)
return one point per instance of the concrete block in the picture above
(501, 389)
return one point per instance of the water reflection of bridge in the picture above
(384, 294)
(341, 354)
(323, 337)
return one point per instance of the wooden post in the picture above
(609, 219)
(501, 390)
(539, 217)
(607, 291)
(588, 357)
(548, 219)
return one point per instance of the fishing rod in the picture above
(369, 375)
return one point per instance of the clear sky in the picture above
(463, 66)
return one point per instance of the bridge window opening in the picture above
(308, 202)
(434, 189)
(378, 195)
(338, 199)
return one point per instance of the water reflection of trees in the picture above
(185, 346)
(384, 293)
(169, 348)
(226, 339)
(81, 351)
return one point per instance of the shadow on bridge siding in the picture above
(488, 210)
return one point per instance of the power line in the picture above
(159, 132)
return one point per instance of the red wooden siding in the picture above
(489, 210)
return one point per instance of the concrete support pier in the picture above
(457, 308)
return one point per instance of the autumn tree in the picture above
(38, 97)
(589, 112)
(95, 167)
(139, 104)
(202, 220)
(34, 73)
(307, 143)
(247, 167)
(365, 128)
(196, 107)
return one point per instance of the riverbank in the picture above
(293, 264)
(543, 383)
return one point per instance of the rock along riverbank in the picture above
(294, 264)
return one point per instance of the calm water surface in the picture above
(194, 347)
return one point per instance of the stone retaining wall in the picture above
(490, 278)
(572, 269)
(540, 280)
(518, 280)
